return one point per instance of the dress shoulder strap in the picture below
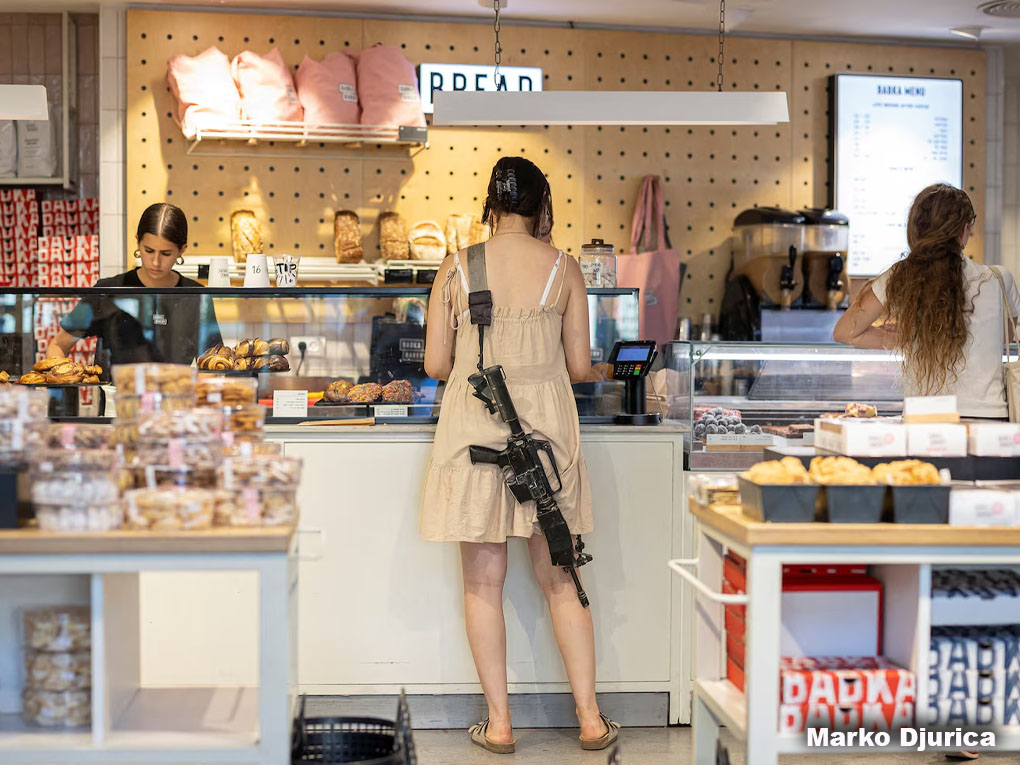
(552, 280)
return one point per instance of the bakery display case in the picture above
(357, 352)
(741, 398)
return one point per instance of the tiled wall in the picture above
(30, 53)
(1011, 167)
(111, 53)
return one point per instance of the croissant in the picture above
(47, 364)
(91, 379)
(94, 370)
(241, 362)
(32, 378)
(69, 372)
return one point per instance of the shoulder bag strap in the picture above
(1006, 318)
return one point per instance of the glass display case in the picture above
(737, 399)
(287, 339)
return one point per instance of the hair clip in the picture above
(506, 190)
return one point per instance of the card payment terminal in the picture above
(632, 361)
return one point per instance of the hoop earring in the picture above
(137, 254)
(180, 260)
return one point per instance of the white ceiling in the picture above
(904, 19)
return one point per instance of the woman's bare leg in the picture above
(575, 634)
(484, 567)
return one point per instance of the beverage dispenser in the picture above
(768, 249)
(826, 239)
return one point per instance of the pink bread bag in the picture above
(328, 90)
(388, 88)
(267, 89)
(204, 89)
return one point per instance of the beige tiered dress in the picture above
(471, 503)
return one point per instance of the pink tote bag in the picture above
(266, 87)
(205, 91)
(328, 90)
(655, 269)
(388, 88)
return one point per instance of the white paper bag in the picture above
(8, 149)
(38, 153)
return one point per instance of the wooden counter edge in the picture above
(212, 541)
(733, 523)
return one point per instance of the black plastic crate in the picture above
(786, 503)
(353, 740)
(853, 504)
(920, 504)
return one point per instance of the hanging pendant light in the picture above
(610, 107)
(23, 102)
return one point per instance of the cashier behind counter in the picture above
(145, 327)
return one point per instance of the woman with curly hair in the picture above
(939, 309)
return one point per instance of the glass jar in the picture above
(598, 264)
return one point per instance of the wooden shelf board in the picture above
(733, 523)
(218, 540)
(727, 702)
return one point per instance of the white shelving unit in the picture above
(901, 557)
(132, 723)
(69, 110)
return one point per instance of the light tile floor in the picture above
(638, 746)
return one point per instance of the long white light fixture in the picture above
(23, 102)
(610, 107)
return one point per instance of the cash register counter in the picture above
(380, 610)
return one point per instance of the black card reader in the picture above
(632, 361)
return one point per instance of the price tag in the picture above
(290, 403)
(391, 410)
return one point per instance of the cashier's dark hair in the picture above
(519, 187)
(926, 295)
(166, 221)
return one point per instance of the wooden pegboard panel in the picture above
(709, 174)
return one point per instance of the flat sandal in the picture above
(478, 736)
(607, 739)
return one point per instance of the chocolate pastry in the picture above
(337, 391)
(259, 348)
(241, 362)
(32, 378)
(278, 364)
(246, 347)
(258, 362)
(279, 346)
(47, 364)
(216, 363)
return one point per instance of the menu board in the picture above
(892, 136)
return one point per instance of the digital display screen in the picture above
(634, 353)
(893, 137)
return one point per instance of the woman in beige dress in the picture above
(539, 334)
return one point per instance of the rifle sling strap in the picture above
(479, 296)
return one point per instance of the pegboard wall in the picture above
(709, 174)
